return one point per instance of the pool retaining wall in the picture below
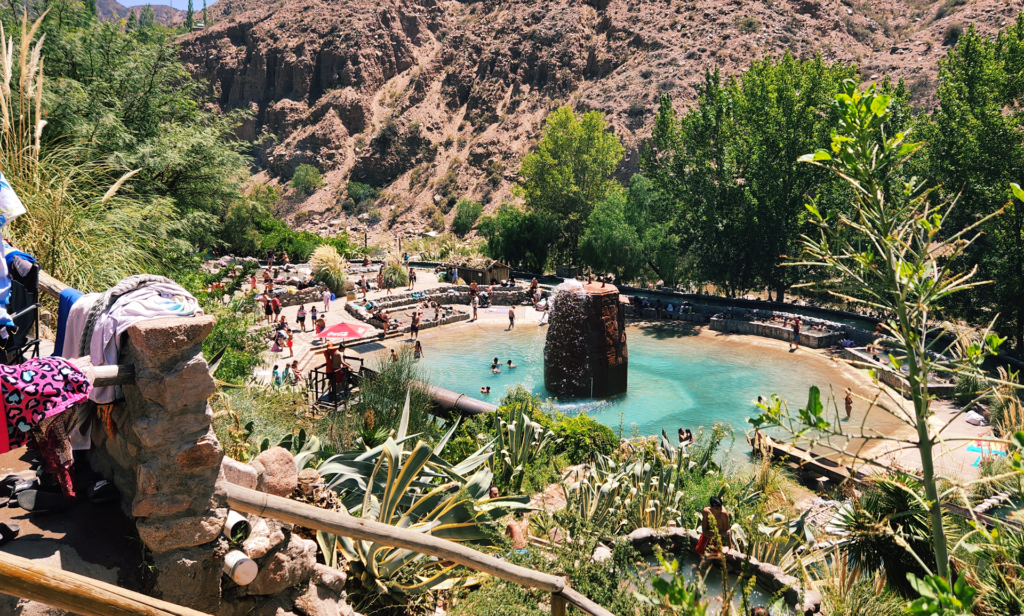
(811, 339)
(770, 577)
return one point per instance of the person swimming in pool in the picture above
(495, 366)
(511, 366)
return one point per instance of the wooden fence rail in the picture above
(27, 579)
(262, 504)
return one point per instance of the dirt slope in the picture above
(434, 99)
(112, 9)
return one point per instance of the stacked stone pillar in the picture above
(165, 458)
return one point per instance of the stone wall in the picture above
(165, 458)
(810, 339)
(312, 295)
(169, 466)
(862, 359)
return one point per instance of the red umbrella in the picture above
(345, 331)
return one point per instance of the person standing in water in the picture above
(719, 516)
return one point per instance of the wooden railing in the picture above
(267, 505)
(27, 579)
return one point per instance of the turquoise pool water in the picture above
(676, 378)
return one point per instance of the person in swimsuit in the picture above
(848, 400)
(417, 350)
(414, 327)
(300, 316)
(719, 516)
(796, 334)
(511, 318)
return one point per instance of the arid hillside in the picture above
(112, 9)
(433, 100)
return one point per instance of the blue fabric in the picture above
(68, 297)
(10, 252)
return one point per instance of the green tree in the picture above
(729, 164)
(189, 17)
(90, 5)
(976, 149)
(631, 234)
(518, 238)
(467, 212)
(306, 179)
(569, 174)
(206, 16)
(132, 24)
(148, 18)
(894, 253)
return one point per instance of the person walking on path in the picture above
(795, 344)
(363, 285)
(414, 327)
(270, 258)
(389, 283)
(327, 300)
(300, 316)
(276, 305)
(511, 318)
(849, 403)
(313, 316)
(291, 353)
(475, 303)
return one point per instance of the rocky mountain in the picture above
(430, 100)
(112, 9)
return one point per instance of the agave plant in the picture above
(520, 441)
(350, 473)
(456, 511)
(654, 493)
(595, 498)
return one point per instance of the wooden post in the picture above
(20, 577)
(557, 604)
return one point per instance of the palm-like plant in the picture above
(889, 527)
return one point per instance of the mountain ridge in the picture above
(112, 9)
(434, 99)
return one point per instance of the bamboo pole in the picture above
(20, 577)
(262, 504)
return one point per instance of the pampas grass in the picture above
(78, 225)
(329, 268)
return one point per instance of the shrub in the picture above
(329, 268)
(436, 221)
(582, 438)
(395, 271)
(466, 214)
(307, 179)
(748, 25)
(360, 192)
(952, 34)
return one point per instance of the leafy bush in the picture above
(466, 214)
(952, 34)
(307, 179)
(582, 438)
(329, 268)
(395, 271)
(385, 396)
(359, 192)
(748, 25)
